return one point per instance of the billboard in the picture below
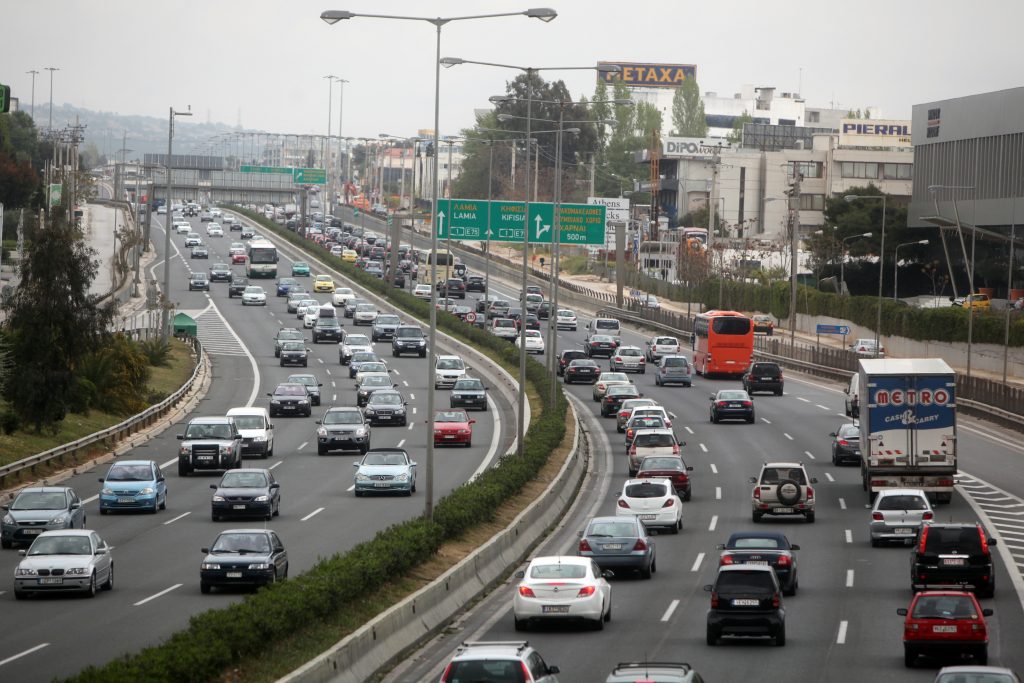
(694, 148)
(874, 133)
(641, 75)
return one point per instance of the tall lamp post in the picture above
(896, 266)
(164, 326)
(51, 69)
(881, 264)
(333, 17)
(842, 262)
(33, 110)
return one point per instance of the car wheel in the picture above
(810, 518)
(183, 471)
(6, 545)
(163, 503)
(678, 526)
(109, 583)
(359, 494)
(643, 371)
(103, 510)
(204, 587)
(712, 637)
(90, 591)
(756, 516)
(598, 624)
(321, 451)
(989, 591)
(780, 636)
(647, 572)
(778, 392)
(20, 595)
(520, 624)
(981, 656)
(909, 657)
(750, 420)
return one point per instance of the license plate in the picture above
(954, 562)
(780, 511)
(612, 546)
(760, 563)
(204, 457)
(237, 507)
(381, 484)
(32, 532)
(766, 379)
(555, 609)
(648, 518)
(745, 602)
(944, 629)
(735, 405)
(904, 531)
(51, 581)
(383, 417)
(288, 407)
(449, 436)
(234, 575)
(125, 500)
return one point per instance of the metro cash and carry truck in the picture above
(908, 425)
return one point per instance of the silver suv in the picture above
(498, 661)
(782, 488)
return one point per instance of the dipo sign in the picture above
(693, 147)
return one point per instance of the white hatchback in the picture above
(560, 589)
(565, 319)
(533, 340)
(422, 292)
(342, 295)
(898, 514)
(214, 230)
(447, 371)
(654, 501)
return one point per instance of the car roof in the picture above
(67, 532)
(561, 559)
(747, 568)
(782, 464)
(900, 492)
(758, 534)
(262, 470)
(209, 419)
(250, 530)
(654, 430)
(45, 489)
(246, 410)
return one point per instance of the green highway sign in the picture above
(266, 169)
(309, 176)
(466, 219)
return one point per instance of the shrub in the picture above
(156, 351)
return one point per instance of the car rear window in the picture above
(676, 363)
(963, 540)
(757, 543)
(765, 369)
(945, 607)
(646, 489)
(473, 671)
(662, 464)
(745, 581)
(653, 440)
(774, 475)
(902, 503)
(606, 324)
(623, 528)
(558, 571)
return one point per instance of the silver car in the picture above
(64, 561)
(897, 515)
(38, 509)
(626, 411)
(628, 359)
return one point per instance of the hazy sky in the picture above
(264, 60)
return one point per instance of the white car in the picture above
(662, 346)
(372, 368)
(562, 588)
(237, 249)
(362, 375)
(866, 348)
(898, 514)
(161, 210)
(653, 442)
(247, 233)
(447, 371)
(534, 341)
(215, 212)
(607, 379)
(228, 218)
(565, 320)
(654, 501)
(214, 230)
(254, 295)
(342, 295)
(309, 315)
(628, 359)
(182, 227)
(354, 343)
(657, 411)
(365, 314)
(193, 239)
(422, 292)
(78, 558)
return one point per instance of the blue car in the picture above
(385, 470)
(133, 485)
(285, 284)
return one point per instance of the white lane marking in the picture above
(671, 608)
(849, 536)
(351, 488)
(312, 514)
(86, 501)
(822, 407)
(714, 523)
(492, 448)
(411, 425)
(414, 410)
(320, 361)
(404, 383)
(302, 445)
(809, 454)
(829, 477)
(842, 503)
(696, 563)
(334, 385)
(157, 595)
(412, 397)
(841, 637)
(275, 464)
(334, 397)
(690, 431)
(22, 654)
(801, 398)
(168, 463)
(718, 493)
(328, 371)
(400, 443)
(704, 448)
(397, 372)
(849, 578)
(714, 468)
(171, 521)
(787, 436)
(842, 415)
(766, 421)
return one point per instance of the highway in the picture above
(157, 557)
(842, 625)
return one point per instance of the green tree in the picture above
(688, 117)
(736, 136)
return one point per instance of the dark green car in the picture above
(300, 268)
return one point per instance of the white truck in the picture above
(908, 425)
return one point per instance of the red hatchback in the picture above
(672, 468)
(453, 427)
(943, 623)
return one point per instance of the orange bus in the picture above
(723, 343)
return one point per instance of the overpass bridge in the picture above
(225, 186)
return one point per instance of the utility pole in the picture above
(51, 69)
(712, 215)
(592, 171)
(794, 222)
(33, 72)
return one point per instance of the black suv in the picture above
(763, 377)
(746, 600)
(408, 339)
(237, 286)
(476, 283)
(327, 329)
(453, 287)
(954, 554)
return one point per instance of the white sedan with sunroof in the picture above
(533, 340)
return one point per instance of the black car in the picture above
(582, 370)
(290, 398)
(544, 310)
(846, 444)
(386, 406)
(953, 554)
(199, 251)
(237, 286)
(243, 557)
(294, 353)
(327, 329)
(342, 429)
(408, 339)
(469, 392)
(286, 334)
(246, 492)
(615, 395)
(371, 384)
(763, 377)
(384, 326)
(453, 288)
(566, 357)
(746, 600)
(476, 283)
(532, 322)
(350, 306)
(600, 345)
(731, 404)
(198, 281)
(760, 548)
(312, 386)
(398, 280)
(220, 272)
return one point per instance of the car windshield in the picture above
(849, 431)
(221, 266)
(469, 385)
(678, 362)
(613, 377)
(386, 399)
(373, 366)
(611, 529)
(409, 333)
(630, 352)
(241, 543)
(130, 473)
(292, 346)
(944, 607)
(646, 489)
(601, 338)
(342, 417)
(327, 322)
(289, 334)
(290, 390)
(377, 381)
(449, 364)
(387, 320)
(901, 502)
(61, 545)
(378, 459)
(773, 475)
(607, 324)
(732, 395)
(357, 340)
(744, 582)
(253, 290)
(759, 543)
(622, 390)
(583, 364)
(365, 308)
(450, 416)
(308, 380)
(558, 571)
(646, 422)
(566, 314)
(40, 500)
(504, 322)
(364, 357)
(244, 480)
(666, 341)
(286, 281)
(653, 440)
(208, 431)
(662, 464)
(198, 276)
(250, 422)
(311, 303)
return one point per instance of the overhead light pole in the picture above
(842, 262)
(333, 17)
(164, 322)
(33, 72)
(51, 69)
(881, 264)
(896, 266)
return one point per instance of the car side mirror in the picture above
(832, 434)
(518, 575)
(275, 485)
(672, 415)
(101, 551)
(181, 437)
(320, 384)
(608, 574)
(814, 480)
(318, 422)
(683, 443)
(355, 464)
(992, 541)
(22, 552)
(987, 612)
(711, 398)
(552, 669)
(902, 611)
(8, 507)
(689, 468)
(213, 486)
(794, 546)
(101, 480)
(708, 588)
(205, 550)
(161, 478)
(472, 422)
(487, 388)
(268, 394)
(270, 426)
(753, 480)
(720, 546)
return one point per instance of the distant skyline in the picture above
(262, 62)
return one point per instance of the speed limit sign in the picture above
(471, 317)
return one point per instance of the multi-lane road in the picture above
(157, 556)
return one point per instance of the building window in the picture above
(860, 169)
(808, 169)
(787, 122)
(814, 117)
(812, 202)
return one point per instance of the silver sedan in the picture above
(72, 560)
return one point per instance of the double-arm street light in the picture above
(333, 17)
(896, 266)
(881, 263)
(842, 258)
(164, 323)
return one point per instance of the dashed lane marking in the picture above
(697, 562)
(671, 608)
(714, 523)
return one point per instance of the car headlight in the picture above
(59, 519)
(185, 450)
(439, 377)
(399, 411)
(8, 519)
(209, 565)
(261, 499)
(370, 411)
(224, 450)
(361, 431)
(148, 491)
(24, 571)
(303, 401)
(107, 491)
(465, 431)
(321, 432)
(79, 571)
(439, 431)
(361, 477)
(275, 402)
(218, 499)
(260, 565)
(402, 477)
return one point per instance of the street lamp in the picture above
(881, 264)
(51, 69)
(334, 16)
(164, 326)
(896, 265)
(842, 262)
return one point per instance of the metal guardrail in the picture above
(118, 431)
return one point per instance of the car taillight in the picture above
(720, 404)
(726, 559)
(585, 546)
(623, 504)
(714, 600)
(526, 592)
(927, 516)
(776, 600)
(642, 361)
(784, 561)
(623, 413)
(681, 477)
(593, 345)
(877, 516)
(632, 450)
(669, 503)
(747, 404)
(924, 540)
(757, 492)
(639, 545)
(586, 591)
(526, 671)
(675, 449)
(447, 673)
(843, 442)
(810, 493)
(984, 542)
(600, 387)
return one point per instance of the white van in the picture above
(603, 326)
(256, 429)
(853, 396)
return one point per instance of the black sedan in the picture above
(220, 272)
(568, 356)
(764, 548)
(247, 492)
(544, 310)
(600, 345)
(846, 444)
(290, 399)
(243, 557)
(582, 370)
(386, 406)
(237, 286)
(294, 353)
(371, 384)
(199, 251)
(615, 395)
(469, 392)
(731, 404)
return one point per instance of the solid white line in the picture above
(252, 359)
(157, 595)
(718, 493)
(171, 521)
(168, 463)
(714, 468)
(302, 445)
(311, 514)
(86, 501)
(411, 425)
(492, 448)
(704, 448)
(829, 477)
(801, 398)
(275, 464)
(809, 454)
(690, 431)
(696, 563)
(714, 523)
(671, 608)
(22, 654)
(787, 436)
(766, 421)
(849, 536)
(849, 578)
(841, 638)
(842, 503)
(400, 443)
(412, 397)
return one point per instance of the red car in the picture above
(237, 258)
(672, 468)
(944, 623)
(453, 427)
